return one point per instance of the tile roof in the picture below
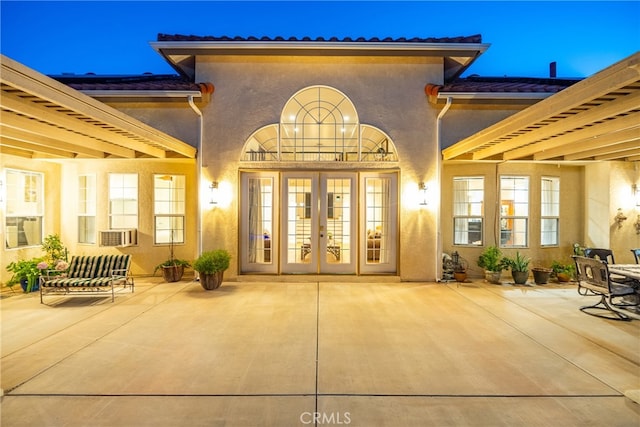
(461, 39)
(503, 85)
(144, 82)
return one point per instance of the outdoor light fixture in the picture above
(620, 218)
(636, 194)
(422, 189)
(1, 188)
(637, 225)
(214, 193)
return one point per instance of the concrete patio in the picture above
(285, 353)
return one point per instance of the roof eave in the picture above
(180, 54)
(142, 93)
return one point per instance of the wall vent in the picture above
(119, 238)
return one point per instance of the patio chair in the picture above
(601, 254)
(636, 253)
(593, 274)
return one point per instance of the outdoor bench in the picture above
(89, 275)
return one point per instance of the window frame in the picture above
(469, 217)
(514, 218)
(556, 217)
(177, 208)
(123, 200)
(23, 213)
(87, 208)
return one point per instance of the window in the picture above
(514, 211)
(468, 210)
(24, 208)
(169, 208)
(549, 211)
(123, 200)
(319, 123)
(87, 209)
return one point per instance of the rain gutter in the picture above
(199, 170)
(438, 259)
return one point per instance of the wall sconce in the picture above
(422, 191)
(636, 194)
(1, 192)
(620, 218)
(637, 225)
(214, 193)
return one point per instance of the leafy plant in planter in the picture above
(519, 266)
(211, 266)
(25, 272)
(54, 250)
(563, 272)
(491, 261)
(173, 268)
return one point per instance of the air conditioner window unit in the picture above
(119, 238)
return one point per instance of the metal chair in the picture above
(636, 253)
(601, 254)
(593, 274)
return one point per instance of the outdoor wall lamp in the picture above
(637, 225)
(620, 218)
(636, 194)
(214, 193)
(422, 191)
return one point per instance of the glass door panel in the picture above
(258, 223)
(300, 220)
(337, 222)
(378, 226)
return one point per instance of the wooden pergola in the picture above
(596, 119)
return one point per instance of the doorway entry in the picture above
(318, 222)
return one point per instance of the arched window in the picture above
(319, 124)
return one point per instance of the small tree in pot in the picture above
(491, 261)
(211, 266)
(173, 268)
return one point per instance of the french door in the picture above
(318, 222)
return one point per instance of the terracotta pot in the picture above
(460, 276)
(563, 277)
(172, 273)
(211, 281)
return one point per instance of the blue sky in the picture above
(112, 37)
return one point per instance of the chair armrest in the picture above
(119, 272)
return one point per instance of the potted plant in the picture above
(541, 275)
(563, 272)
(172, 268)
(25, 272)
(54, 250)
(519, 266)
(210, 266)
(491, 261)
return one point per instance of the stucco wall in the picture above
(571, 215)
(61, 207)
(387, 92)
(175, 118)
(612, 190)
(54, 191)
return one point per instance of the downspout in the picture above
(438, 259)
(199, 170)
